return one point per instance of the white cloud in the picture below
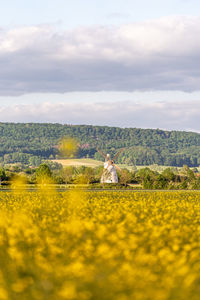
(160, 54)
(165, 115)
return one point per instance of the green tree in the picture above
(43, 173)
(147, 182)
(190, 175)
(85, 176)
(2, 174)
(144, 174)
(68, 174)
(160, 182)
(125, 177)
(169, 174)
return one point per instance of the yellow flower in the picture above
(68, 291)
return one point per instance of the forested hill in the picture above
(30, 143)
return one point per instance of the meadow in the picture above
(99, 245)
(87, 162)
(93, 163)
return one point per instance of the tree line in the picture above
(31, 143)
(146, 178)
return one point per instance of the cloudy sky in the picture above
(127, 63)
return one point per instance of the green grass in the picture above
(89, 162)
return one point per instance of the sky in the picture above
(110, 62)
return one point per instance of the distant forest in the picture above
(31, 143)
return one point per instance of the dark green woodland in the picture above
(31, 143)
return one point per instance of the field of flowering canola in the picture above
(99, 245)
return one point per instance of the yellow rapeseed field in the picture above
(99, 245)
